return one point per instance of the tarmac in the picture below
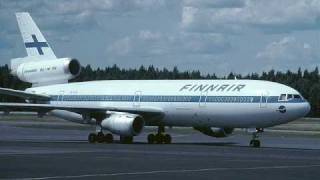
(51, 152)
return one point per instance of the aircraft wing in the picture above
(93, 111)
(44, 108)
(23, 94)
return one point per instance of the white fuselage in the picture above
(212, 103)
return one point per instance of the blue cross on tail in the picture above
(36, 44)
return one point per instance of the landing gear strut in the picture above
(160, 137)
(255, 142)
(99, 136)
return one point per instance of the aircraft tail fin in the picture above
(36, 45)
(41, 67)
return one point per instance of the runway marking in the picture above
(168, 171)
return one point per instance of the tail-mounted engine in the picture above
(49, 71)
(215, 132)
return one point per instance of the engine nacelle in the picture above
(72, 117)
(58, 70)
(124, 124)
(215, 132)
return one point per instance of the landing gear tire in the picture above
(255, 143)
(167, 139)
(126, 139)
(159, 139)
(255, 135)
(100, 137)
(108, 138)
(92, 138)
(151, 138)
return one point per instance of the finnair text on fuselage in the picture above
(213, 87)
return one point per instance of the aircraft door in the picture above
(137, 99)
(203, 99)
(264, 99)
(60, 97)
(200, 116)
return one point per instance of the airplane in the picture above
(125, 107)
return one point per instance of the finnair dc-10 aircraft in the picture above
(125, 107)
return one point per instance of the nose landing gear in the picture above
(255, 142)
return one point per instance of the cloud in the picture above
(149, 35)
(146, 4)
(61, 20)
(211, 35)
(215, 3)
(207, 43)
(186, 50)
(270, 16)
(224, 20)
(288, 53)
(75, 7)
(5, 41)
(78, 6)
(149, 43)
(75, 14)
(120, 47)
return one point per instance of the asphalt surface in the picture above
(46, 153)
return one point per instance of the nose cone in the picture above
(307, 108)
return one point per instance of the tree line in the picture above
(306, 82)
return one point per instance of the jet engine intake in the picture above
(124, 124)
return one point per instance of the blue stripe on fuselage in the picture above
(150, 98)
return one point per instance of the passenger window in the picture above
(282, 97)
(290, 96)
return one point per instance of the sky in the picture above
(213, 36)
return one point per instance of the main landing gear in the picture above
(160, 137)
(99, 136)
(255, 142)
(107, 138)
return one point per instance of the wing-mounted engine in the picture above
(124, 124)
(47, 72)
(215, 132)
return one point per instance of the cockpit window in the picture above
(297, 96)
(282, 97)
(289, 97)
